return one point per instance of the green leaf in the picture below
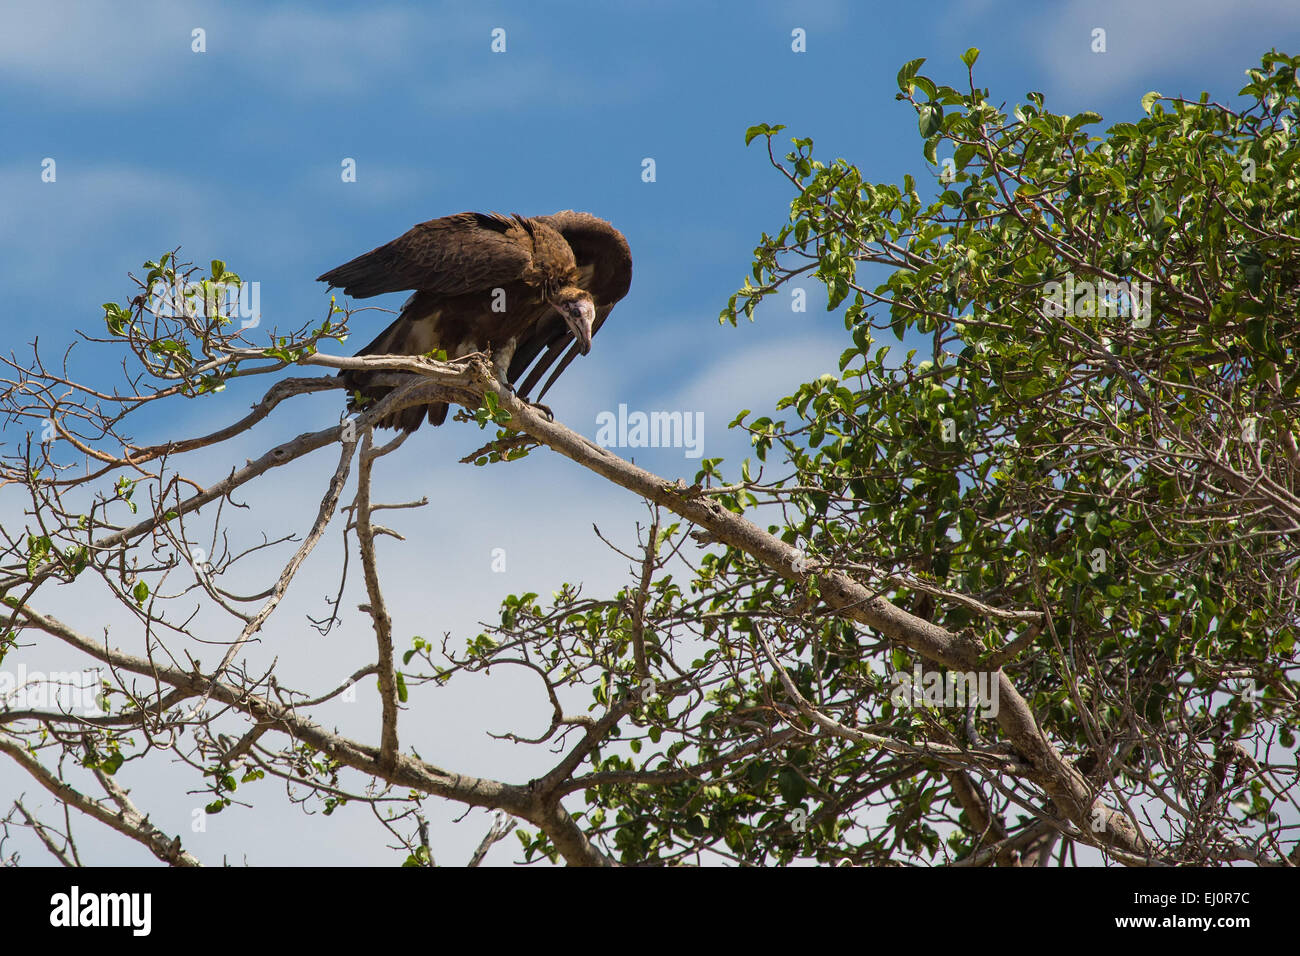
(140, 592)
(930, 119)
(1148, 101)
(792, 785)
(111, 763)
(1082, 119)
(970, 56)
(906, 74)
(762, 129)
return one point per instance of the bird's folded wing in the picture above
(605, 264)
(454, 255)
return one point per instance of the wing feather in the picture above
(453, 255)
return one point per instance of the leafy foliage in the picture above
(1115, 452)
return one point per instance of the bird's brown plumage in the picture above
(487, 281)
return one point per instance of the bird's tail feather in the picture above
(364, 276)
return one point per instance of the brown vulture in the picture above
(528, 291)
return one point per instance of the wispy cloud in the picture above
(1151, 40)
(92, 53)
(90, 201)
(89, 51)
(435, 57)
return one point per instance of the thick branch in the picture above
(127, 820)
(1066, 787)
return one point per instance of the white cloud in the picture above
(439, 580)
(89, 51)
(1145, 41)
(98, 53)
(94, 200)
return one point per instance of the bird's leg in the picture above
(501, 365)
(544, 409)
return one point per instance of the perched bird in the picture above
(528, 291)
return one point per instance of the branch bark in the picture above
(127, 820)
(1068, 790)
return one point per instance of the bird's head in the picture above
(579, 312)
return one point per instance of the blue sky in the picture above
(235, 153)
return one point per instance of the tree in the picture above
(1034, 593)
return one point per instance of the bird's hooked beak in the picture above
(579, 315)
